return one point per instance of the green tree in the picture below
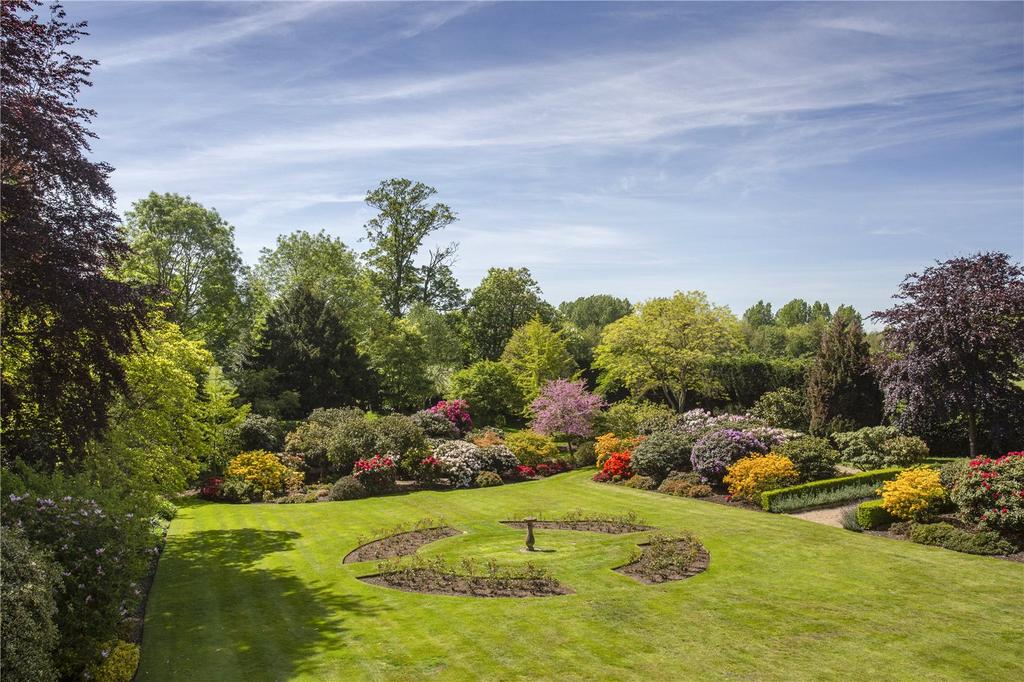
(796, 312)
(537, 354)
(506, 299)
(820, 311)
(759, 315)
(396, 235)
(841, 390)
(598, 310)
(444, 343)
(667, 346)
(491, 390)
(397, 351)
(189, 252)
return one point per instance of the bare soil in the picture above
(594, 526)
(435, 582)
(401, 544)
(644, 570)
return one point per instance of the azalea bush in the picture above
(486, 436)
(616, 468)
(605, 445)
(913, 494)
(990, 493)
(751, 476)
(551, 468)
(263, 471)
(713, 453)
(429, 469)
(377, 474)
(531, 447)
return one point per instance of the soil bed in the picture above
(645, 570)
(400, 544)
(594, 526)
(430, 581)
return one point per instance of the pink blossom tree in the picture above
(566, 407)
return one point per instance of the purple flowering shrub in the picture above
(713, 453)
(101, 556)
(566, 407)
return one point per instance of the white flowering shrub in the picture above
(460, 461)
(499, 459)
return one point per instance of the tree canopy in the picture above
(537, 354)
(505, 300)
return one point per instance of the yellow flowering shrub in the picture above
(912, 493)
(121, 660)
(264, 470)
(751, 476)
(605, 445)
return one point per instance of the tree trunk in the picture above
(972, 433)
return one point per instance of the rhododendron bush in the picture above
(462, 462)
(717, 450)
(990, 493)
(457, 412)
(751, 476)
(913, 493)
(377, 474)
(616, 468)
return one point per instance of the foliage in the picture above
(587, 317)
(377, 474)
(499, 459)
(991, 493)
(841, 389)
(662, 452)
(903, 451)
(326, 445)
(740, 380)
(712, 454)
(814, 458)
(625, 418)
(831, 490)
(348, 488)
(537, 354)
(120, 660)
(952, 472)
(872, 514)
(759, 315)
(399, 437)
(551, 468)
(486, 436)
(641, 482)
(457, 412)
(29, 579)
(684, 484)
(260, 432)
(444, 342)
(751, 476)
(306, 358)
(567, 408)
(665, 346)
(491, 388)
(954, 342)
(616, 468)
(435, 424)
(531, 448)
(864, 447)
(504, 301)
(584, 455)
(67, 318)
(488, 479)
(397, 353)
(959, 540)
(429, 469)
(460, 461)
(913, 494)
(848, 520)
(396, 234)
(264, 471)
(784, 407)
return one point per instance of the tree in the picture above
(65, 317)
(666, 346)
(188, 251)
(566, 407)
(306, 358)
(794, 313)
(841, 390)
(537, 354)
(506, 299)
(598, 310)
(443, 342)
(491, 390)
(396, 235)
(397, 352)
(820, 311)
(954, 343)
(759, 315)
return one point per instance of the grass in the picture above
(259, 592)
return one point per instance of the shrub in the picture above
(398, 437)
(435, 424)
(120, 661)
(456, 412)
(491, 388)
(953, 471)
(784, 407)
(488, 479)
(259, 432)
(498, 459)
(29, 579)
(641, 482)
(912, 494)
(429, 469)
(348, 488)
(903, 451)
(826, 491)
(991, 493)
(872, 514)
(959, 540)
(330, 441)
(531, 447)
(713, 453)
(486, 436)
(814, 458)
(623, 419)
(863, 448)
(848, 519)
(377, 474)
(235, 489)
(551, 468)
(460, 461)
(684, 484)
(751, 476)
(605, 445)
(616, 468)
(264, 471)
(523, 471)
(166, 510)
(584, 456)
(351, 437)
(662, 452)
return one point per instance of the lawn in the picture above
(259, 592)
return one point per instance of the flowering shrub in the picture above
(566, 407)
(751, 476)
(616, 468)
(499, 459)
(991, 492)
(377, 474)
(486, 436)
(457, 412)
(429, 469)
(460, 461)
(264, 471)
(435, 424)
(717, 450)
(605, 445)
(211, 488)
(523, 471)
(912, 493)
(531, 447)
(551, 468)
(488, 479)
(662, 452)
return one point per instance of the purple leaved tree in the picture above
(953, 344)
(566, 407)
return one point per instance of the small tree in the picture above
(491, 389)
(566, 407)
(841, 390)
(954, 343)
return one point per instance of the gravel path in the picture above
(829, 516)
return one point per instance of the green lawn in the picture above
(259, 592)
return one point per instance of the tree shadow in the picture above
(215, 613)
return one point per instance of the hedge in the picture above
(870, 515)
(770, 500)
(959, 540)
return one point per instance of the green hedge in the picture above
(871, 515)
(772, 499)
(958, 540)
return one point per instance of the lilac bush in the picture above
(717, 450)
(566, 407)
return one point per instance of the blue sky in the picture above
(750, 150)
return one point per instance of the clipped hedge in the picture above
(771, 499)
(950, 537)
(871, 515)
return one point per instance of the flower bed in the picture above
(828, 491)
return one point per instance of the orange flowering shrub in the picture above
(609, 443)
(751, 476)
(912, 493)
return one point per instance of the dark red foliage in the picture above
(66, 320)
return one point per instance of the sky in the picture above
(753, 151)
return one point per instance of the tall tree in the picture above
(796, 312)
(537, 354)
(841, 389)
(397, 352)
(66, 318)
(597, 310)
(666, 346)
(396, 235)
(955, 343)
(759, 315)
(506, 299)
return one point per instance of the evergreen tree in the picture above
(841, 389)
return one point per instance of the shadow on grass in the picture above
(220, 615)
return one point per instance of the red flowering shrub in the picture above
(457, 412)
(551, 468)
(523, 471)
(211, 489)
(616, 468)
(990, 493)
(429, 469)
(377, 474)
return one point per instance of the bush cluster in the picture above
(626, 418)
(435, 424)
(462, 462)
(990, 494)
(913, 494)
(713, 453)
(814, 458)
(874, 447)
(456, 412)
(584, 455)
(488, 479)
(751, 476)
(532, 448)
(486, 436)
(259, 432)
(959, 540)
(827, 491)
(684, 484)
(616, 468)
(872, 514)
(641, 482)
(608, 443)
(662, 452)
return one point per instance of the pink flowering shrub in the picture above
(990, 493)
(457, 412)
(566, 407)
(377, 474)
(429, 469)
